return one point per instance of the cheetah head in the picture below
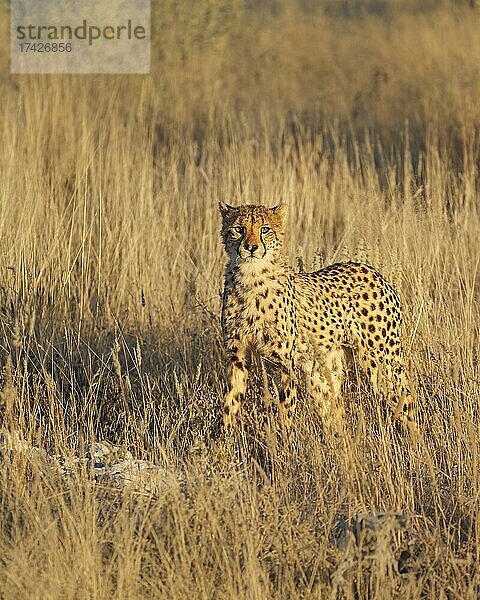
(252, 234)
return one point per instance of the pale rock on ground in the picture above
(104, 462)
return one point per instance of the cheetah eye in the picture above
(238, 230)
(265, 229)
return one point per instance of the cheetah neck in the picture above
(248, 274)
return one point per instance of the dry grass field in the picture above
(364, 117)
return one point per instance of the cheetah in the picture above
(304, 322)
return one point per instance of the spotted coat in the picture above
(305, 321)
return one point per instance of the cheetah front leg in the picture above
(238, 378)
(287, 396)
(284, 360)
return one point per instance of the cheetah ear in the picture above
(279, 210)
(225, 208)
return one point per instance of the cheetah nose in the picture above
(251, 248)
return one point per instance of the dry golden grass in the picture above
(110, 279)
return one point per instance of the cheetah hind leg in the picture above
(404, 403)
(405, 410)
(324, 385)
(392, 385)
